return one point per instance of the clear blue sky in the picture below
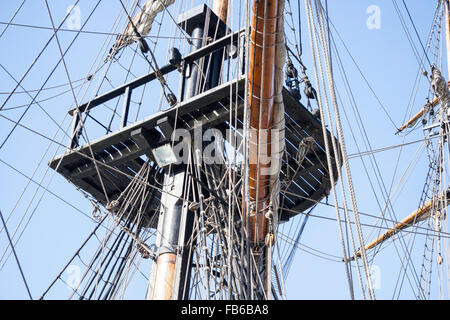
(56, 229)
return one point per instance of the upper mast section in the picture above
(220, 8)
(447, 33)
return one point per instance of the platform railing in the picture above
(126, 89)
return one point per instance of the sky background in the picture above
(57, 228)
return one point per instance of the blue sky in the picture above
(56, 229)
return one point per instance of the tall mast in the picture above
(152, 180)
(220, 8)
(262, 74)
(261, 103)
(171, 273)
(447, 34)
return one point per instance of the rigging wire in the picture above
(362, 224)
(15, 256)
(380, 182)
(297, 245)
(48, 78)
(383, 107)
(417, 33)
(28, 105)
(12, 18)
(414, 49)
(392, 147)
(317, 60)
(153, 65)
(73, 92)
(288, 261)
(41, 101)
(92, 32)
(394, 222)
(37, 58)
(45, 189)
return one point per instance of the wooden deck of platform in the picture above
(120, 154)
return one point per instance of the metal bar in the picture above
(191, 81)
(191, 57)
(198, 102)
(75, 132)
(126, 107)
(121, 89)
(172, 268)
(169, 228)
(447, 33)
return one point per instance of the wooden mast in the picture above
(220, 8)
(447, 33)
(165, 271)
(261, 110)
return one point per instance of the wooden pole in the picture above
(220, 8)
(173, 226)
(165, 275)
(261, 104)
(447, 34)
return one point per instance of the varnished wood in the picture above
(220, 8)
(261, 104)
(165, 274)
(447, 33)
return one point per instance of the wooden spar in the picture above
(417, 116)
(220, 8)
(261, 109)
(415, 217)
(165, 276)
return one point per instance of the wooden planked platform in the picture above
(121, 154)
